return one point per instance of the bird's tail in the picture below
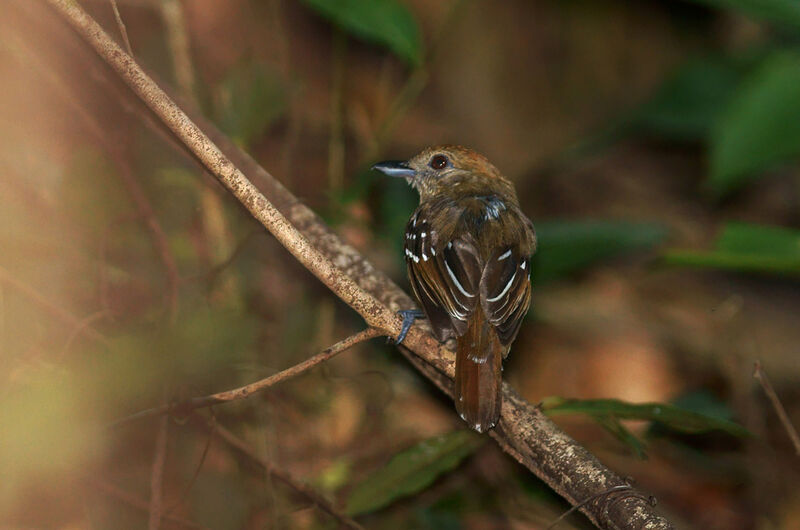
(479, 357)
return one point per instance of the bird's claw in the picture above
(409, 316)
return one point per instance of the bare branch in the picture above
(761, 377)
(246, 391)
(284, 476)
(122, 29)
(523, 430)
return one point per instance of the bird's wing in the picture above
(505, 290)
(445, 276)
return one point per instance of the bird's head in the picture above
(444, 168)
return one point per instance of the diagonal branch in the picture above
(246, 391)
(761, 376)
(122, 29)
(523, 431)
(375, 313)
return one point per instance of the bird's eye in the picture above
(439, 162)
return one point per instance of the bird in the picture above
(468, 249)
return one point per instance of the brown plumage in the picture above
(467, 249)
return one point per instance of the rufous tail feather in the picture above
(479, 357)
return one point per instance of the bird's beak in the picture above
(395, 168)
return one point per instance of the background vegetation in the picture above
(655, 145)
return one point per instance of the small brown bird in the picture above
(467, 249)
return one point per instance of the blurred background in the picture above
(654, 144)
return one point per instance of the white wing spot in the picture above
(477, 359)
(506, 254)
(433, 251)
(493, 208)
(424, 257)
(523, 264)
(455, 280)
(505, 290)
(423, 234)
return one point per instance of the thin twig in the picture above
(136, 502)
(197, 469)
(246, 391)
(55, 310)
(77, 330)
(761, 377)
(122, 29)
(157, 475)
(282, 475)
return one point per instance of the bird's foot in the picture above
(409, 316)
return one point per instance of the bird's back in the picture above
(467, 249)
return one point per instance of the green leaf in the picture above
(383, 22)
(760, 126)
(705, 403)
(567, 246)
(747, 248)
(687, 105)
(759, 240)
(620, 432)
(676, 418)
(412, 470)
(429, 518)
(784, 12)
